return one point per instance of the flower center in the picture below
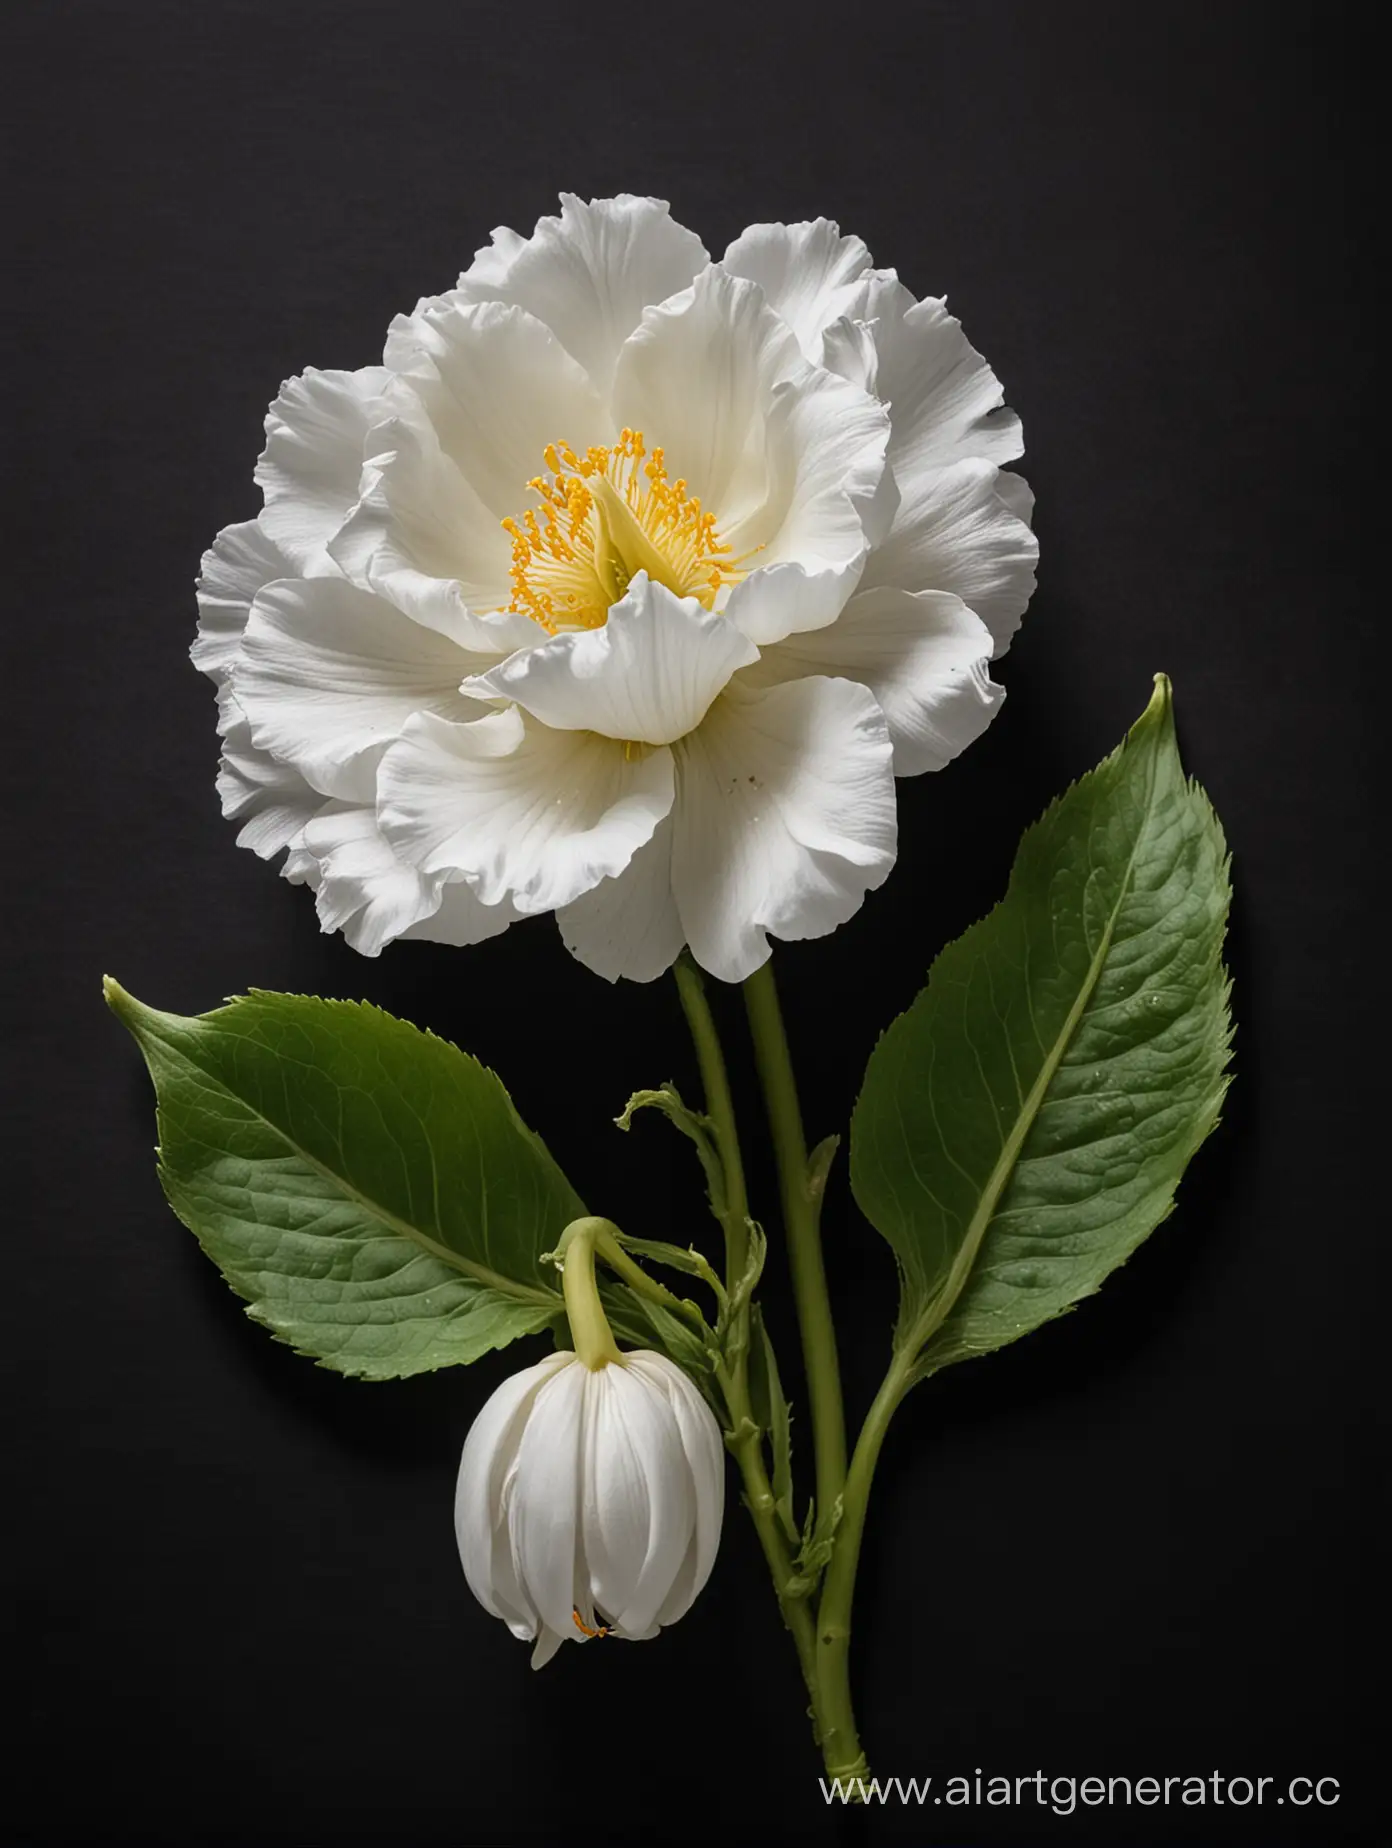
(603, 517)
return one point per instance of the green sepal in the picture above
(693, 1124)
(774, 1416)
(814, 1552)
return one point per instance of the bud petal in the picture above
(490, 1451)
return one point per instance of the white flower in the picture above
(590, 1500)
(624, 588)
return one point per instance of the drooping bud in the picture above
(590, 1499)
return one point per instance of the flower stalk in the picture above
(744, 1438)
(820, 1630)
(589, 1326)
(801, 1201)
(720, 1109)
(838, 1586)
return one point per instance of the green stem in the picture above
(744, 1438)
(801, 1215)
(840, 1741)
(589, 1326)
(747, 1451)
(721, 1111)
(607, 1246)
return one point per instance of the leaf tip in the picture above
(116, 998)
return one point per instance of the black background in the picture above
(1131, 1544)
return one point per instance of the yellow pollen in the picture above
(603, 517)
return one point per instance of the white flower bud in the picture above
(590, 1499)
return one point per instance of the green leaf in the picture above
(369, 1189)
(1025, 1124)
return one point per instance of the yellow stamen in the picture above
(604, 516)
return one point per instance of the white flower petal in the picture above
(639, 1503)
(789, 458)
(361, 888)
(548, 1642)
(925, 658)
(590, 273)
(1017, 494)
(240, 560)
(523, 812)
(462, 918)
(479, 1515)
(615, 1513)
(955, 532)
(700, 377)
(628, 925)
(493, 260)
(785, 818)
(849, 350)
(329, 673)
(544, 1510)
(804, 270)
(831, 491)
(309, 468)
(270, 799)
(946, 402)
(647, 675)
(498, 387)
(421, 536)
(705, 1457)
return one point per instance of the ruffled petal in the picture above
(925, 658)
(946, 402)
(420, 536)
(806, 272)
(313, 457)
(789, 459)
(494, 259)
(590, 273)
(830, 497)
(360, 886)
(270, 799)
(700, 377)
(785, 818)
(647, 675)
(956, 531)
(522, 812)
(462, 918)
(628, 925)
(498, 387)
(848, 350)
(328, 675)
(240, 560)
